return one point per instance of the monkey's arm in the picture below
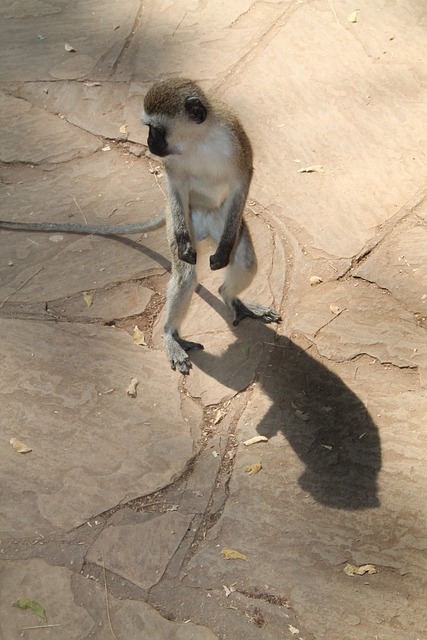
(233, 222)
(83, 229)
(178, 209)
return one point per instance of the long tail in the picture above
(98, 230)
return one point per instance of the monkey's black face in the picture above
(157, 142)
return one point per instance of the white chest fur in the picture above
(206, 167)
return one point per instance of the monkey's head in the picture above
(171, 107)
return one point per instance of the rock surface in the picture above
(118, 520)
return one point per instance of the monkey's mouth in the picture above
(166, 151)
(173, 151)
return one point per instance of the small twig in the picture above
(153, 172)
(106, 600)
(42, 626)
(179, 24)
(80, 209)
(20, 287)
(281, 346)
(333, 11)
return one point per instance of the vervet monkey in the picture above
(207, 158)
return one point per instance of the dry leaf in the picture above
(314, 168)
(315, 280)
(23, 603)
(131, 390)
(252, 469)
(353, 570)
(228, 590)
(123, 129)
(244, 348)
(69, 48)
(301, 415)
(254, 440)
(353, 16)
(334, 308)
(138, 336)
(232, 554)
(88, 298)
(19, 446)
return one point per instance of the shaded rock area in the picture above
(134, 504)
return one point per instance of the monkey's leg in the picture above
(180, 289)
(240, 273)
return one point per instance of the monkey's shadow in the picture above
(326, 424)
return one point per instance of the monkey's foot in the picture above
(253, 310)
(176, 350)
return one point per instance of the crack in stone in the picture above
(329, 321)
(129, 38)
(390, 293)
(400, 217)
(228, 76)
(213, 512)
(358, 356)
(384, 363)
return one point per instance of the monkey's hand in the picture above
(186, 251)
(220, 259)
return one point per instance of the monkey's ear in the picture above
(195, 109)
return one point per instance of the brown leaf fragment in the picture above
(354, 570)
(232, 554)
(131, 390)
(252, 469)
(19, 446)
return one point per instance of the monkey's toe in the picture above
(183, 366)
